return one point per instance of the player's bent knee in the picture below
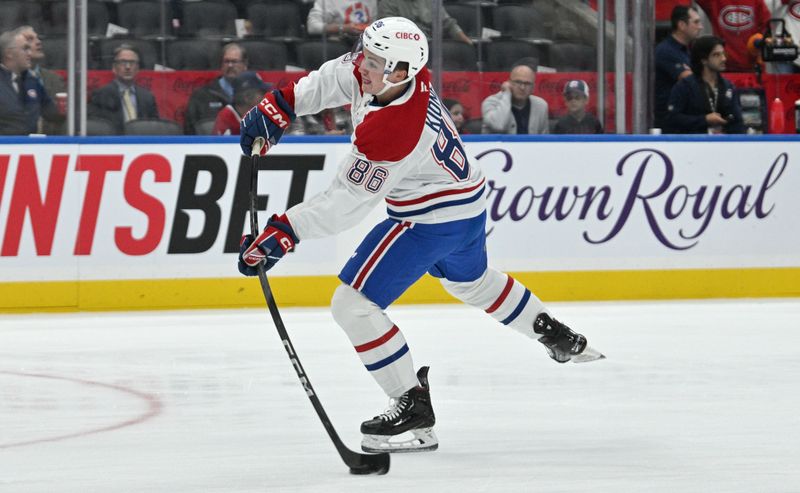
(465, 291)
(348, 306)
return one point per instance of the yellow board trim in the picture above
(170, 294)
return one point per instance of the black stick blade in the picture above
(368, 463)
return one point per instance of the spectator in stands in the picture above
(515, 110)
(23, 98)
(122, 100)
(206, 102)
(456, 110)
(577, 120)
(734, 21)
(672, 57)
(343, 18)
(248, 88)
(704, 101)
(52, 82)
(419, 12)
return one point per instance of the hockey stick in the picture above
(357, 462)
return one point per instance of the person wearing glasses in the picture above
(206, 102)
(122, 100)
(515, 110)
(23, 98)
(577, 120)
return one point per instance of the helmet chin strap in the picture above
(388, 85)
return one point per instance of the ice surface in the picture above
(694, 397)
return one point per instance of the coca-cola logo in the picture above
(737, 18)
(677, 214)
(550, 85)
(457, 85)
(187, 85)
(792, 86)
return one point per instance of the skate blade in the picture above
(423, 440)
(588, 354)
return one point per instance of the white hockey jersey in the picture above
(406, 153)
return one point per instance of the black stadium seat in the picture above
(458, 56)
(19, 13)
(275, 19)
(311, 54)
(519, 21)
(204, 19)
(501, 54)
(99, 126)
(97, 18)
(467, 16)
(152, 127)
(265, 55)
(143, 18)
(573, 57)
(193, 54)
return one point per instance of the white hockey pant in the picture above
(502, 297)
(379, 342)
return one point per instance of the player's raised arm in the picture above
(331, 86)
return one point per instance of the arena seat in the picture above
(275, 19)
(143, 18)
(311, 54)
(519, 21)
(193, 54)
(152, 127)
(97, 14)
(265, 55)
(209, 19)
(458, 56)
(501, 54)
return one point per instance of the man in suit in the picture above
(122, 100)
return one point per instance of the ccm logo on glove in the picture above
(268, 119)
(276, 115)
(269, 247)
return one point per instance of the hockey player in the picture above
(405, 152)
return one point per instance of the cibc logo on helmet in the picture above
(402, 35)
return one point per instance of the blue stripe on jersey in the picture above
(518, 309)
(380, 364)
(440, 205)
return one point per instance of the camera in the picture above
(776, 45)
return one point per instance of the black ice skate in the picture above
(562, 343)
(411, 413)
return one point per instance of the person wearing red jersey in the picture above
(248, 88)
(734, 21)
(406, 153)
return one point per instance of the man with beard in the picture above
(704, 101)
(207, 101)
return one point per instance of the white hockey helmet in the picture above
(397, 39)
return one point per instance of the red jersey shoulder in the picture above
(391, 133)
(227, 122)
